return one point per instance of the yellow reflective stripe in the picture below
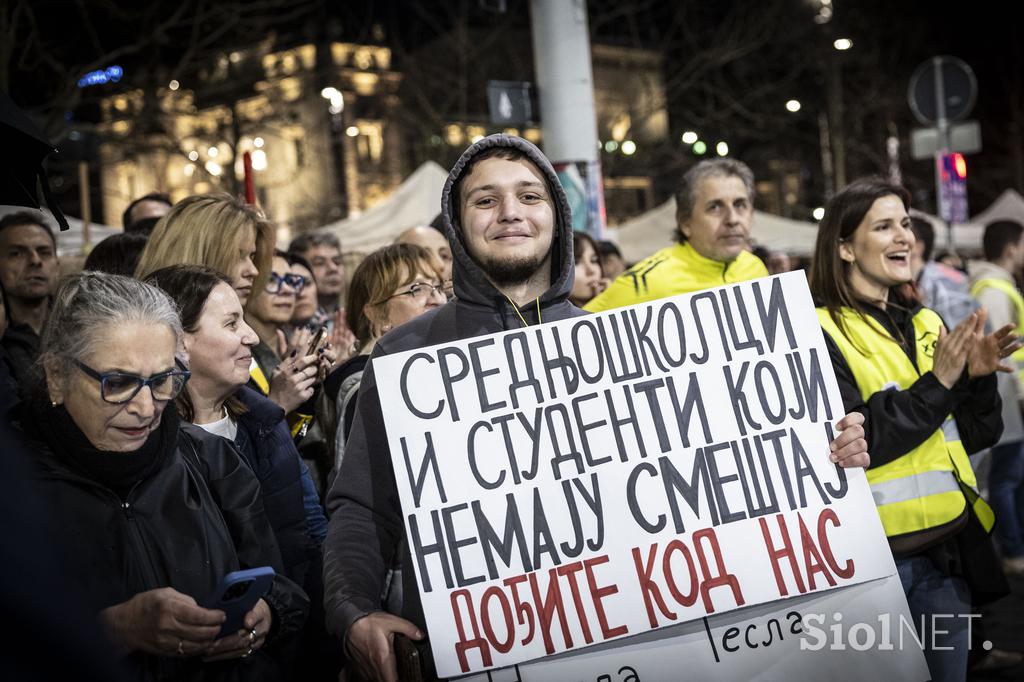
(914, 486)
(912, 516)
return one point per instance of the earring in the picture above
(53, 403)
(385, 329)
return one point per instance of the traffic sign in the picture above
(963, 137)
(509, 102)
(942, 89)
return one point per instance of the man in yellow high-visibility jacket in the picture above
(714, 209)
(993, 284)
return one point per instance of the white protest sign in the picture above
(600, 477)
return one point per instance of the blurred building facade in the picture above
(327, 131)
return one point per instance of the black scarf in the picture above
(119, 471)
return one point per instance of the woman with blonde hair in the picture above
(218, 231)
(236, 239)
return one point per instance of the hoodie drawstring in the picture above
(521, 318)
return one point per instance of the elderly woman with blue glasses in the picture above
(150, 513)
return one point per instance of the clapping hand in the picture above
(988, 352)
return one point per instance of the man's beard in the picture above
(506, 272)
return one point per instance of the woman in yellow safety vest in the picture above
(929, 398)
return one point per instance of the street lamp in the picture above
(818, 213)
(722, 149)
(842, 44)
(689, 137)
(699, 147)
(628, 147)
(793, 106)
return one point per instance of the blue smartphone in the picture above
(238, 593)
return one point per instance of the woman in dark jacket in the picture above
(929, 399)
(219, 345)
(150, 516)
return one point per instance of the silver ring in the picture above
(252, 635)
(181, 647)
(248, 653)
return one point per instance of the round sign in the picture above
(959, 88)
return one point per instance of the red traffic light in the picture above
(959, 166)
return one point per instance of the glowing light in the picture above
(689, 137)
(174, 85)
(212, 167)
(335, 97)
(959, 166)
(610, 146)
(818, 213)
(189, 169)
(628, 147)
(842, 44)
(722, 149)
(793, 105)
(259, 160)
(352, 131)
(111, 74)
(193, 155)
(699, 147)
(258, 143)
(212, 152)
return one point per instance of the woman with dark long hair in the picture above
(929, 398)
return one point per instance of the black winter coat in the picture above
(195, 518)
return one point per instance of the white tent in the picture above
(1009, 206)
(645, 234)
(966, 236)
(415, 202)
(68, 243)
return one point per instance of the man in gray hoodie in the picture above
(510, 228)
(509, 225)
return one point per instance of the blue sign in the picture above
(111, 74)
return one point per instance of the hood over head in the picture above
(471, 284)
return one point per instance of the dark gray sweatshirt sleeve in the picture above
(365, 525)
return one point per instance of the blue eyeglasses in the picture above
(296, 282)
(119, 387)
